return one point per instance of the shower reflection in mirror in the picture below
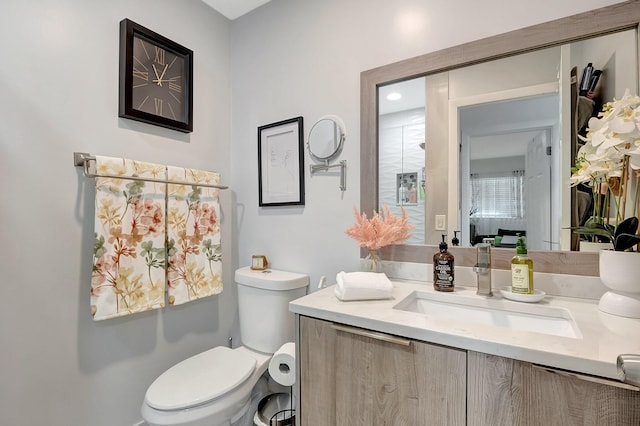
(401, 176)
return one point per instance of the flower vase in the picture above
(619, 271)
(372, 262)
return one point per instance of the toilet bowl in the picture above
(214, 388)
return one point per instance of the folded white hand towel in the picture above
(362, 286)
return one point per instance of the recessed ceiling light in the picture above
(394, 96)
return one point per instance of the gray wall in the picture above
(59, 94)
(59, 85)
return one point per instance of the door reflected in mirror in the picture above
(509, 156)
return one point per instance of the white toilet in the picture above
(214, 387)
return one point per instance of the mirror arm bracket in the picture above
(316, 168)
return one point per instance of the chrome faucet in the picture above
(483, 270)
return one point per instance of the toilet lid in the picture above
(200, 379)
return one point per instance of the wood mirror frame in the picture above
(585, 25)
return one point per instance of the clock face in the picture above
(159, 81)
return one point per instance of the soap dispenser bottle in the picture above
(521, 269)
(443, 268)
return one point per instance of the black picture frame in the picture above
(281, 163)
(129, 30)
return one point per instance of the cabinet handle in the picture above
(372, 334)
(593, 379)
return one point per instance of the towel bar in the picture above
(82, 159)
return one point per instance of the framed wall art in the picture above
(281, 163)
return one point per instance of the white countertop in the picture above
(604, 336)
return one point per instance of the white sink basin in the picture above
(492, 312)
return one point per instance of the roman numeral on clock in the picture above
(158, 104)
(159, 59)
(144, 75)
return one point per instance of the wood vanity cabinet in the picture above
(355, 377)
(351, 376)
(503, 391)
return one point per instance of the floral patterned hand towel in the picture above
(194, 267)
(129, 249)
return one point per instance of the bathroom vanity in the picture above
(425, 358)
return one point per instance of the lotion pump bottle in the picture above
(443, 268)
(413, 194)
(521, 269)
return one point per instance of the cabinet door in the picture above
(508, 392)
(377, 379)
(317, 373)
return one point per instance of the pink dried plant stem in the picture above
(381, 230)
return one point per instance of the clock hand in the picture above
(163, 72)
(158, 79)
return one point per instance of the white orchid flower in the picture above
(612, 136)
(634, 154)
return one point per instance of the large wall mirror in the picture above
(446, 132)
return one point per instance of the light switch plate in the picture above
(440, 222)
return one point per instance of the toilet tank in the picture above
(263, 303)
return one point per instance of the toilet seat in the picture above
(200, 379)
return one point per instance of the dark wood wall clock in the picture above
(156, 78)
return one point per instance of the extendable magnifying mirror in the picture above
(326, 139)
